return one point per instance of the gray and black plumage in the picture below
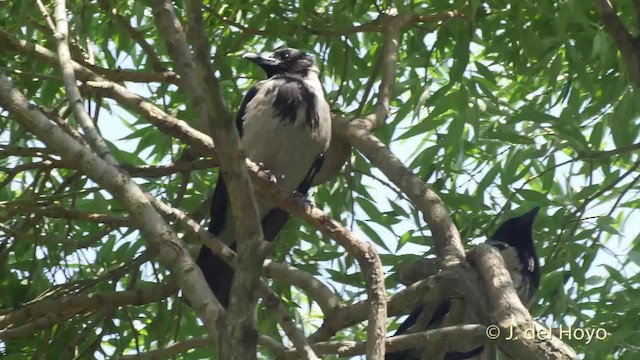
(284, 123)
(514, 240)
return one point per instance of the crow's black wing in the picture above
(243, 108)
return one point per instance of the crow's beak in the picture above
(262, 59)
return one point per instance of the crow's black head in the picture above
(517, 231)
(523, 263)
(281, 61)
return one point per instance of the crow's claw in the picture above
(272, 177)
(302, 198)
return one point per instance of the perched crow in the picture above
(284, 125)
(515, 242)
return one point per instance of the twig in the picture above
(38, 324)
(73, 93)
(125, 24)
(169, 169)
(327, 300)
(88, 302)
(58, 211)
(389, 56)
(46, 16)
(136, 76)
(370, 27)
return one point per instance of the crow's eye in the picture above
(285, 55)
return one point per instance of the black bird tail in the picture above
(217, 273)
(436, 319)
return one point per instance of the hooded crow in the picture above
(284, 124)
(515, 242)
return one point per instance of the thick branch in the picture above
(160, 236)
(445, 234)
(166, 123)
(507, 312)
(402, 342)
(621, 36)
(411, 272)
(363, 251)
(240, 335)
(271, 299)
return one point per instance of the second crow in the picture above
(515, 242)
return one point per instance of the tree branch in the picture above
(160, 236)
(623, 39)
(60, 212)
(363, 251)
(272, 300)
(327, 300)
(507, 312)
(239, 338)
(46, 15)
(445, 234)
(196, 343)
(398, 343)
(389, 57)
(166, 123)
(73, 93)
(125, 24)
(67, 243)
(429, 291)
(373, 26)
(86, 302)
